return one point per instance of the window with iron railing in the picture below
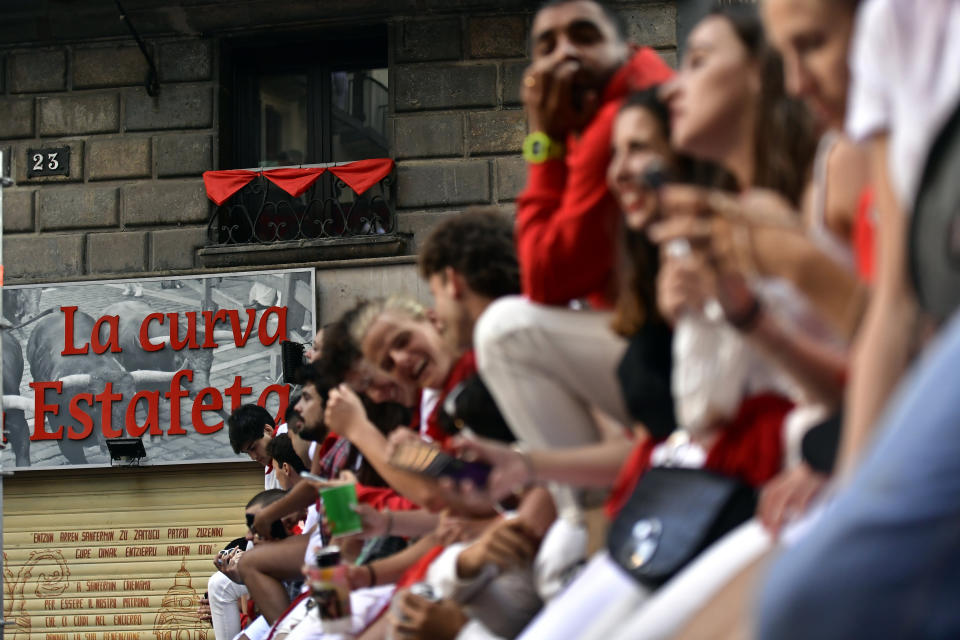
(310, 101)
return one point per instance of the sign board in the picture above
(118, 554)
(165, 360)
(52, 161)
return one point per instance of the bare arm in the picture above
(345, 415)
(883, 346)
(594, 465)
(819, 368)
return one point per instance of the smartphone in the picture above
(429, 460)
(312, 476)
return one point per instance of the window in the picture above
(304, 99)
(314, 100)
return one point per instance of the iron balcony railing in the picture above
(263, 213)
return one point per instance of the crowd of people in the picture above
(698, 388)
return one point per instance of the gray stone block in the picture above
(17, 210)
(446, 86)
(21, 159)
(418, 225)
(184, 155)
(497, 36)
(172, 249)
(77, 208)
(44, 255)
(443, 183)
(511, 177)
(186, 60)
(18, 120)
(168, 202)
(117, 252)
(37, 70)
(652, 25)
(496, 131)
(80, 114)
(423, 40)
(512, 78)
(113, 66)
(424, 136)
(177, 107)
(113, 158)
(669, 56)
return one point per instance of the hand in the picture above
(505, 544)
(399, 437)
(416, 618)
(203, 610)
(231, 566)
(344, 411)
(512, 469)
(549, 98)
(788, 495)
(683, 284)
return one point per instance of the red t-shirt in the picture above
(567, 220)
(749, 448)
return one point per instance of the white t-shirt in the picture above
(269, 475)
(905, 63)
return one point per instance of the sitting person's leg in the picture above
(264, 567)
(224, 594)
(882, 561)
(547, 366)
(708, 578)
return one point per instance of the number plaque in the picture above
(54, 161)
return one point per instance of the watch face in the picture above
(536, 148)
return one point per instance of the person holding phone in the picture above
(566, 228)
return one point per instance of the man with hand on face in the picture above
(566, 229)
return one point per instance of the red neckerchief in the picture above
(462, 369)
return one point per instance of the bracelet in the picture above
(389, 528)
(748, 320)
(372, 575)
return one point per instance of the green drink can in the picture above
(338, 503)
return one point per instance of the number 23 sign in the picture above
(48, 162)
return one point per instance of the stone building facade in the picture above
(134, 204)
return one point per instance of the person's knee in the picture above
(505, 317)
(219, 588)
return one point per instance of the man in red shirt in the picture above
(546, 363)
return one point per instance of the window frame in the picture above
(317, 54)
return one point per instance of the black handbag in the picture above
(934, 243)
(673, 515)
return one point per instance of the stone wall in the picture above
(134, 201)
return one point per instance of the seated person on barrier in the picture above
(224, 594)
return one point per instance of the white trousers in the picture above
(676, 602)
(547, 366)
(223, 594)
(601, 588)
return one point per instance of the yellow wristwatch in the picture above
(538, 147)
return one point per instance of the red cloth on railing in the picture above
(359, 176)
(363, 174)
(223, 184)
(294, 181)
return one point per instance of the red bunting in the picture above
(223, 184)
(363, 174)
(359, 176)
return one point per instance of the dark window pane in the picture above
(283, 119)
(358, 114)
